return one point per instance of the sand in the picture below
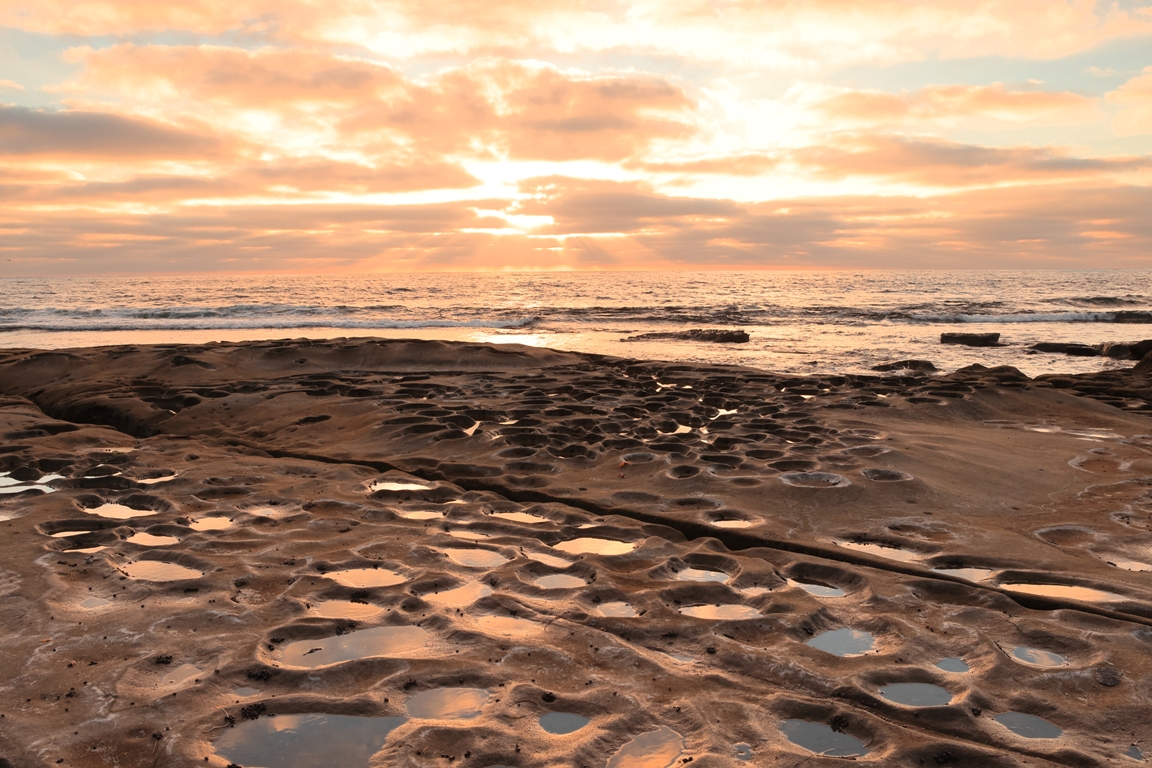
(414, 553)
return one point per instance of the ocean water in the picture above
(799, 321)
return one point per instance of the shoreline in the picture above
(740, 516)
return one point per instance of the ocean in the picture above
(798, 321)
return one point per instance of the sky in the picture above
(312, 136)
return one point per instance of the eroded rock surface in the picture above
(212, 550)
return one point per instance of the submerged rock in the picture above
(1067, 348)
(715, 335)
(971, 339)
(924, 366)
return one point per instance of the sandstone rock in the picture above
(1140, 348)
(1144, 366)
(971, 339)
(1001, 373)
(1114, 350)
(923, 366)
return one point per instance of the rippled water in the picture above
(844, 642)
(306, 741)
(842, 320)
(448, 703)
(364, 643)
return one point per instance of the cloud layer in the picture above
(357, 135)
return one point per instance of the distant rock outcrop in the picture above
(715, 335)
(972, 339)
(1068, 348)
(1116, 350)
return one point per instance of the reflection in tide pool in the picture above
(552, 560)
(460, 596)
(655, 749)
(345, 609)
(469, 535)
(916, 694)
(1085, 594)
(387, 485)
(420, 514)
(148, 540)
(817, 588)
(594, 546)
(476, 558)
(616, 608)
(362, 644)
(118, 512)
(968, 574)
(506, 625)
(211, 524)
(821, 739)
(155, 570)
(1028, 726)
(843, 642)
(448, 703)
(732, 523)
(879, 550)
(520, 517)
(560, 723)
(361, 578)
(1128, 565)
(306, 741)
(559, 581)
(699, 574)
(953, 664)
(729, 612)
(154, 480)
(1038, 657)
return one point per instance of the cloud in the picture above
(946, 164)
(10, 85)
(25, 132)
(946, 104)
(810, 35)
(518, 109)
(600, 224)
(1135, 98)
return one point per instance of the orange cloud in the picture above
(519, 109)
(945, 164)
(818, 32)
(951, 104)
(28, 132)
(601, 224)
(1135, 96)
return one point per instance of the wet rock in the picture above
(1140, 348)
(1108, 677)
(1115, 350)
(924, 366)
(1073, 348)
(714, 335)
(971, 339)
(1144, 367)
